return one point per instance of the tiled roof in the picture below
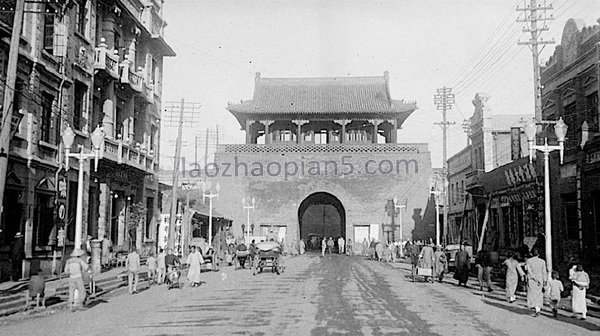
(335, 95)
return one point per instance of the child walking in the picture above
(555, 287)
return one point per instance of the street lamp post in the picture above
(436, 194)
(248, 207)
(560, 129)
(210, 195)
(400, 207)
(68, 137)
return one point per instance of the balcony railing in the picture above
(121, 153)
(135, 81)
(105, 60)
(129, 77)
(148, 92)
(152, 22)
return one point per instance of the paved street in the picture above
(335, 295)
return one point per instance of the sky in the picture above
(467, 45)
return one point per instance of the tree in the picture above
(137, 217)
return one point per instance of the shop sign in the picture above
(520, 174)
(504, 202)
(62, 188)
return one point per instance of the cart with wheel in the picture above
(268, 255)
(423, 272)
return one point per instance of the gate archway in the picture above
(321, 215)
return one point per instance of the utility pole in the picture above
(173, 213)
(9, 95)
(534, 14)
(186, 119)
(443, 99)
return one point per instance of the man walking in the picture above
(133, 268)
(152, 266)
(161, 267)
(75, 267)
(536, 281)
(341, 245)
(484, 269)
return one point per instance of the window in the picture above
(79, 105)
(285, 136)
(46, 123)
(49, 34)
(82, 21)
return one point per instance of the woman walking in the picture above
(194, 260)
(513, 273)
(536, 281)
(581, 281)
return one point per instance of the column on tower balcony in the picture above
(300, 135)
(248, 135)
(395, 131)
(343, 135)
(267, 133)
(375, 123)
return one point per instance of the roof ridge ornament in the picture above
(257, 78)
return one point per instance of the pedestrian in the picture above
(106, 252)
(132, 264)
(536, 281)
(194, 260)
(161, 267)
(365, 248)
(17, 254)
(555, 287)
(302, 246)
(349, 247)
(581, 281)
(330, 245)
(88, 244)
(483, 261)
(387, 253)
(440, 264)
(513, 273)
(152, 265)
(341, 245)
(75, 267)
(462, 262)
(427, 257)
(379, 251)
(294, 247)
(323, 246)
(414, 258)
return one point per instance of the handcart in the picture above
(173, 275)
(268, 255)
(423, 272)
(241, 257)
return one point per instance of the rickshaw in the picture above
(241, 257)
(268, 254)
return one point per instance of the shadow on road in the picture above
(525, 311)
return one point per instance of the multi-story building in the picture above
(495, 140)
(83, 64)
(570, 81)
(321, 159)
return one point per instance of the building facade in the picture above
(321, 159)
(84, 64)
(494, 141)
(570, 81)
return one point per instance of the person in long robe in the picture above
(427, 256)
(302, 246)
(194, 260)
(440, 263)
(365, 248)
(581, 281)
(323, 246)
(537, 276)
(462, 262)
(513, 273)
(379, 251)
